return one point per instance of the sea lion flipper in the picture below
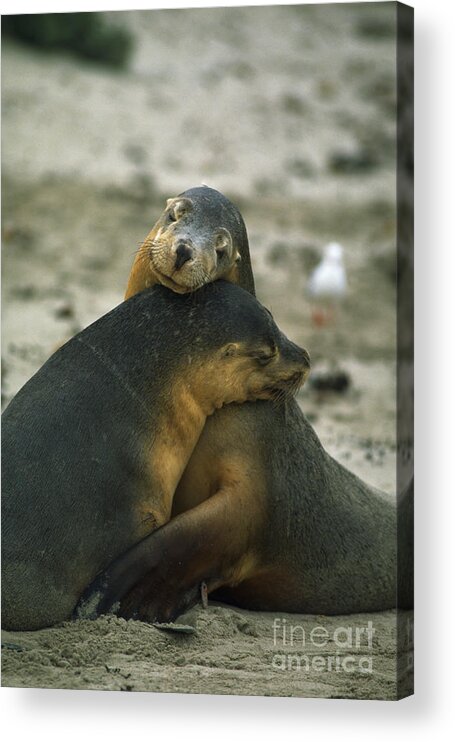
(161, 576)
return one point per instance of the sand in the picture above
(264, 112)
(232, 651)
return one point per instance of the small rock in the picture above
(351, 163)
(64, 311)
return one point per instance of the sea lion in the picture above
(265, 519)
(200, 237)
(96, 442)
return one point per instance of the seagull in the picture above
(327, 287)
(327, 283)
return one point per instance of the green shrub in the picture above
(87, 35)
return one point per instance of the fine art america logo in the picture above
(342, 649)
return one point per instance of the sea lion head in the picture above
(236, 352)
(198, 238)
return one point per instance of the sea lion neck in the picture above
(178, 427)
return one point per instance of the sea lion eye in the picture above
(221, 252)
(171, 216)
(265, 356)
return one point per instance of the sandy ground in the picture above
(231, 651)
(290, 112)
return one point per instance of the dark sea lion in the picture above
(265, 519)
(200, 237)
(96, 442)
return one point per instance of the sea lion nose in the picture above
(183, 253)
(293, 353)
(306, 358)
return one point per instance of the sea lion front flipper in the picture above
(161, 576)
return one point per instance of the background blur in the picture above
(290, 111)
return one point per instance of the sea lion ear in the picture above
(224, 240)
(180, 206)
(230, 350)
(238, 258)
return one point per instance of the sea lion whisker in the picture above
(294, 388)
(149, 241)
(145, 255)
(277, 397)
(140, 254)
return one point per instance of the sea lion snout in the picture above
(280, 370)
(293, 367)
(294, 354)
(287, 370)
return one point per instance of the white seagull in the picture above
(327, 287)
(328, 280)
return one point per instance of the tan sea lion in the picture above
(96, 442)
(265, 519)
(200, 237)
